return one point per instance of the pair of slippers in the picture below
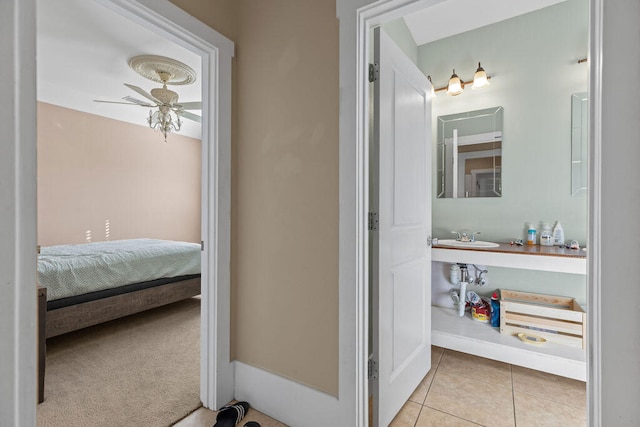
(230, 415)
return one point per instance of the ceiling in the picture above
(83, 50)
(458, 16)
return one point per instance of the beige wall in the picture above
(284, 184)
(92, 170)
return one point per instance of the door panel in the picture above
(400, 259)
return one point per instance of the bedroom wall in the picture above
(102, 179)
(284, 192)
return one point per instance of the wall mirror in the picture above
(579, 140)
(469, 156)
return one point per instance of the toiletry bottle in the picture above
(495, 310)
(546, 235)
(558, 235)
(531, 235)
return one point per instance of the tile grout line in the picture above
(444, 350)
(422, 406)
(513, 396)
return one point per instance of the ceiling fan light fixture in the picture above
(162, 120)
(165, 114)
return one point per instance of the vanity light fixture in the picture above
(433, 88)
(456, 84)
(480, 80)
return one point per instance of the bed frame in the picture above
(79, 316)
(74, 317)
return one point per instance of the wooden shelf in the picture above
(469, 336)
(524, 257)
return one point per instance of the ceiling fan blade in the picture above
(191, 105)
(143, 93)
(115, 102)
(190, 116)
(137, 101)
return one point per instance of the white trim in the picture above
(285, 400)
(167, 19)
(18, 207)
(594, 283)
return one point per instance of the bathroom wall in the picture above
(532, 60)
(400, 34)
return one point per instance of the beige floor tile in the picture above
(436, 355)
(200, 417)
(431, 418)
(407, 416)
(535, 411)
(420, 393)
(542, 384)
(206, 417)
(477, 368)
(470, 399)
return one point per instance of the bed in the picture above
(91, 283)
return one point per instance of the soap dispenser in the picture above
(558, 234)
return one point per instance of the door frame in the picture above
(19, 83)
(216, 51)
(354, 186)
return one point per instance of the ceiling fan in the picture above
(167, 117)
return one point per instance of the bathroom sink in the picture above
(479, 244)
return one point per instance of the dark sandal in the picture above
(230, 415)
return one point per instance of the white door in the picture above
(400, 183)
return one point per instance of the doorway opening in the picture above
(371, 18)
(215, 53)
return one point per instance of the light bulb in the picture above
(480, 79)
(455, 86)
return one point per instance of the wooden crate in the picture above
(558, 319)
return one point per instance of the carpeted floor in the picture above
(143, 370)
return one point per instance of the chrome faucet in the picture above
(465, 237)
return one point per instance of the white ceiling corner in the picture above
(453, 17)
(83, 50)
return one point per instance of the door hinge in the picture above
(372, 369)
(373, 221)
(374, 71)
(202, 245)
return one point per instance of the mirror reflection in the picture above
(579, 126)
(469, 157)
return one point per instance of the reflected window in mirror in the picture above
(469, 154)
(579, 143)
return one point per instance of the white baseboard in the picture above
(285, 400)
